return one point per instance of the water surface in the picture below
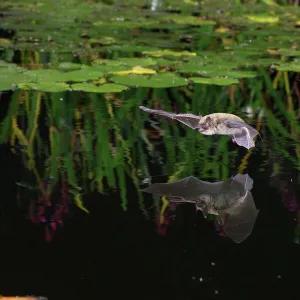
(76, 150)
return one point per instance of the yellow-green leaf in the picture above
(214, 80)
(135, 70)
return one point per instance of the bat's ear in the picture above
(208, 120)
(203, 207)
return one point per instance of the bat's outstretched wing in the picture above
(189, 120)
(245, 180)
(248, 133)
(238, 221)
(189, 188)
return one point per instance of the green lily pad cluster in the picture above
(52, 80)
(123, 72)
(144, 44)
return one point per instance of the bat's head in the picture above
(205, 205)
(206, 126)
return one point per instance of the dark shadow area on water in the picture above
(119, 254)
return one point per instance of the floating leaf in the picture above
(6, 85)
(137, 61)
(289, 52)
(135, 70)
(109, 68)
(266, 62)
(11, 77)
(188, 20)
(105, 40)
(206, 69)
(126, 24)
(214, 80)
(46, 75)
(191, 2)
(107, 62)
(82, 75)
(45, 86)
(105, 88)
(270, 2)
(222, 29)
(166, 62)
(290, 66)
(167, 52)
(162, 80)
(240, 74)
(192, 67)
(69, 66)
(5, 43)
(6, 64)
(263, 19)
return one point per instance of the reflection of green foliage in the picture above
(68, 86)
(100, 143)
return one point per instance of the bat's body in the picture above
(217, 123)
(231, 200)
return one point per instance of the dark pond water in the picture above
(53, 249)
(76, 150)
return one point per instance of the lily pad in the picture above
(241, 74)
(105, 88)
(214, 80)
(263, 19)
(45, 86)
(69, 66)
(46, 75)
(126, 24)
(137, 61)
(105, 40)
(191, 67)
(162, 80)
(107, 62)
(289, 52)
(109, 68)
(136, 70)
(162, 62)
(290, 66)
(166, 52)
(11, 77)
(188, 20)
(4, 63)
(6, 85)
(208, 69)
(5, 43)
(82, 75)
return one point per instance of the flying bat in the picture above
(217, 123)
(231, 200)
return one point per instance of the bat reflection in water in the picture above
(217, 123)
(231, 200)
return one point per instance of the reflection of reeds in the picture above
(98, 141)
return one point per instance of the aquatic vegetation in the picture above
(75, 74)
(209, 49)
